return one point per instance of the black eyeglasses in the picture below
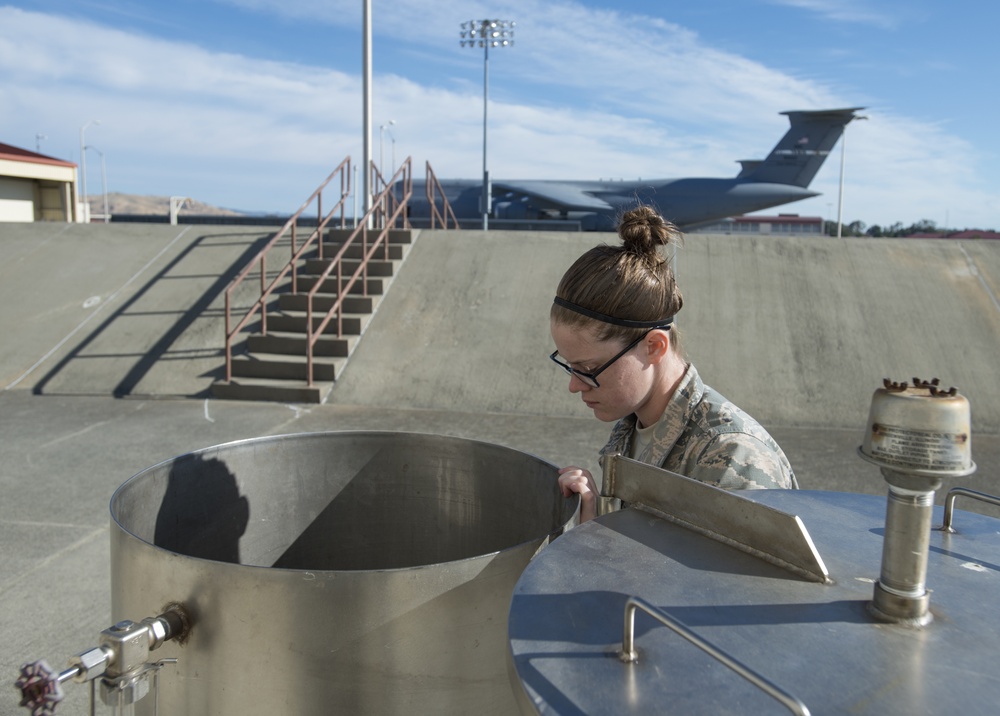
(591, 378)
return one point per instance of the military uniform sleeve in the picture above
(738, 461)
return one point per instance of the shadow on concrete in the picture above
(174, 323)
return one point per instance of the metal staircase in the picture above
(303, 322)
(273, 365)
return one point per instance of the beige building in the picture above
(34, 187)
(756, 224)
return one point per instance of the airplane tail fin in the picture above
(801, 152)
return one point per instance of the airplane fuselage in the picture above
(782, 177)
(686, 202)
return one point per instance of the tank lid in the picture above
(919, 428)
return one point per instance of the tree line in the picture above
(859, 228)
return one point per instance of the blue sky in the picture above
(249, 104)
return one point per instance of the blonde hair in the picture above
(633, 281)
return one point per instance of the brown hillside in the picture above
(137, 204)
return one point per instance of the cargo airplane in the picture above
(782, 177)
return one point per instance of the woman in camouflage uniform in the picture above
(612, 323)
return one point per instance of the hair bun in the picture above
(642, 231)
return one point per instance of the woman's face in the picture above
(625, 386)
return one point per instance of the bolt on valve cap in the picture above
(920, 429)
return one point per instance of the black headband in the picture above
(662, 323)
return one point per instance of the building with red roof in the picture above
(34, 187)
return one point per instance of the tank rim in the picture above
(326, 433)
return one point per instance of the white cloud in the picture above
(611, 95)
(848, 11)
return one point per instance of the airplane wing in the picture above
(560, 196)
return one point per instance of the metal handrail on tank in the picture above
(629, 655)
(290, 231)
(387, 209)
(956, 492)
(434, 188)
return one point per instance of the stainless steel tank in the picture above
(700, 601)
(334, 572)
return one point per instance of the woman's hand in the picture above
(576, 479)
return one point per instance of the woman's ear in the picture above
(657, 344)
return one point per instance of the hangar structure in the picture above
(35, 187)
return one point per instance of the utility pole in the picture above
(843, 151)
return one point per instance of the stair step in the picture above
(280, 366)
(396, 236)
(322, 302)
(295, 344)
(274, 365)
(354, 252)
(375, 268)
(375, 286)
(295, 322)
(271, 390)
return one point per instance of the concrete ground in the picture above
(113, 334)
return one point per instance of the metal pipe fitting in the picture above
(900, 593)
(120, 659)
(918, 434)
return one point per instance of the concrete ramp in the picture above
(797, 331)
(117, 309)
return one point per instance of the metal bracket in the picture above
(723, 515)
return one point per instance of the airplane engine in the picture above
(517, 209)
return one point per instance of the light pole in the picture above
(487, 34)
(104, 180)
(843, 151)
(366, 112)
(83, 167)
(381, 140)
(38, 142)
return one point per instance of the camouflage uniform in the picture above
(703, 436)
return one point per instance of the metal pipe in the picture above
(900, 594)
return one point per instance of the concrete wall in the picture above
(799, 332)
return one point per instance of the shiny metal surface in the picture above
(728, 516)
(816, 641)
(334, 572)
(919, 429)
(919, 435)
(900, 594)
(630, 655)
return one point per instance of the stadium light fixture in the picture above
(487, 34)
